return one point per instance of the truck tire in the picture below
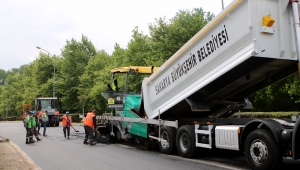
(262, 151)
(186, 142)
(169, 134)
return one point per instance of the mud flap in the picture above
(296, 140)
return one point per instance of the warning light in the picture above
(268, 21)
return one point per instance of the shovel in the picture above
(75, 129)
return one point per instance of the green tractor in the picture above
(126, 104)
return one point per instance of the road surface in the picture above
(56, 152)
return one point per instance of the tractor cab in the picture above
(51, 105)
(118, 98)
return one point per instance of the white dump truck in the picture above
(185, 104)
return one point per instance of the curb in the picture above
(3, 140)
(16, 149)
(25, 156)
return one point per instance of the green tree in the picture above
(76, 55)
(167, 37)
(281, 96)
(91, 84)
(42, 74)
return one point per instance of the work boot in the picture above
(31, 140)
(93, 143)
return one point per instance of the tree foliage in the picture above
(281, 96)
(167, 37)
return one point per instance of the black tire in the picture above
(169, 134)
(262, 151)
(54, 122)
(186, 141)
(117, 136)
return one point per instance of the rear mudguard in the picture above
(273, 125)
(296, 140)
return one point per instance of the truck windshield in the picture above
(48, 103)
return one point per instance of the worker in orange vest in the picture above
(89, 126)
(67, 123)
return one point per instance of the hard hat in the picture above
(67, 112)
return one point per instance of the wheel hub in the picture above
(259, 151)
(183, 141)
(164, 136)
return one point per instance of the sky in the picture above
(26, 24)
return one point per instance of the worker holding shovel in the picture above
(67, 123)
(89, 126)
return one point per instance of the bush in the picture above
(12, 118)
(75, 117)
(264, 114)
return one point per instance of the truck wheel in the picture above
(169, 134)
(186, 142)
(262, 151)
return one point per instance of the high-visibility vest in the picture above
(45, 117)
(28, 121)
(66, 119)
(33, 122)
(88, 121)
